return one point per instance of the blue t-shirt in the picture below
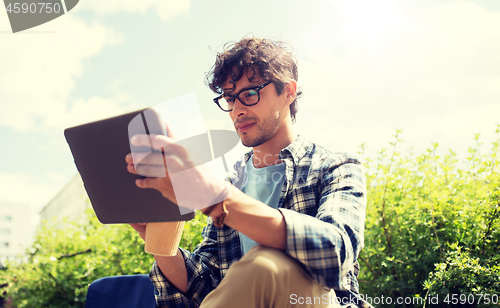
(263, 184)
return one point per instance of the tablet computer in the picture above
(99, 149)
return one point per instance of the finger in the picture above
(170, 132)
(138, 226)
(151, 171)
(148, 183)
(131, 169)
(155, 141)
(171, 165)
(145, 158)
(164, 187)
(160, 143)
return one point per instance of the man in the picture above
(291, 227)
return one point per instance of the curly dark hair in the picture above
(273, 60)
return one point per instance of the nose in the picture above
(238, 109)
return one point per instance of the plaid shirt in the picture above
(323, 202)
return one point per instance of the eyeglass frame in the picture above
(257, 88)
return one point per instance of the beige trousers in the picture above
(267, 277)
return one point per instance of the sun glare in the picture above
(369, 18)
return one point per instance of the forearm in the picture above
(174, 269)
(256, 220)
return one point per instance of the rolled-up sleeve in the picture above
(329, 243)
(203, 273)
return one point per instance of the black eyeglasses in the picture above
(247, 97)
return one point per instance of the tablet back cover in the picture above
(99, 149)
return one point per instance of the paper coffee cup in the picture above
(163, 238)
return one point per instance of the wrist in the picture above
(218, 212)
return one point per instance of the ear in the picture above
(291, 91)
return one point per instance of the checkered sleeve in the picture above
(203, 273)
(329, 243)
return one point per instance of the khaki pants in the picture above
(267, 277)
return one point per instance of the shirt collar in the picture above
(297, 149)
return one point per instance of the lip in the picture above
(244, 126)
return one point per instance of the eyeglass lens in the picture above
(248, 97)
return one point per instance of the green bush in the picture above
(472, 280)
(63, 261)
(423, 213)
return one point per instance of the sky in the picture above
(366, 68)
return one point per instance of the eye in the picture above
(250, 93)
(229, 99)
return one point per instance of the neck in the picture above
(267, 154)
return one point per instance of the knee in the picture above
(268, 261)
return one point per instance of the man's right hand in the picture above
(173, 268)
(141, 228)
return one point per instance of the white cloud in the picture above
(87, 110)
(166, 9)
(455, 129)
(448, 55)
(34, 191)
(30, 189)
(436, 76)
(39, 72)
(451, 130)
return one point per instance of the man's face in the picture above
(259, 123)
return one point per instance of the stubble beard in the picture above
(265, 132)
